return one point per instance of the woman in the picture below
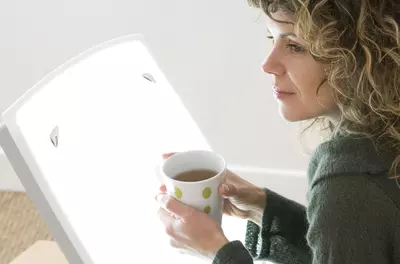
(336, 62)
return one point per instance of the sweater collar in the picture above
(349, 154)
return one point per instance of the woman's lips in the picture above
(281, 94)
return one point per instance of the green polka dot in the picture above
(178, 193)
(207, 209)
(207, 193)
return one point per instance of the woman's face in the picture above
(296, 75)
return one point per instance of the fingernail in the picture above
(225, 188)
(160, 198)
(166, 155)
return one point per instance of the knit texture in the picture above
(233, 253)
(353, 214)
(283, 233)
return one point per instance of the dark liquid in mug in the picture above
(195, 175)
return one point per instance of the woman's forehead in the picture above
(276, 28)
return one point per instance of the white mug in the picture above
(201, 195)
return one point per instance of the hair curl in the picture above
(359, 41)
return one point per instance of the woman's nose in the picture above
(272, 65)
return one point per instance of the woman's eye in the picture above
(295, 47)
(271, 38)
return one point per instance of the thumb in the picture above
(228, 190)
(174, 206)
(167, 155)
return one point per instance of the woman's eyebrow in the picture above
(288, 34)
(283, 35)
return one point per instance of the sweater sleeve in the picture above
(350, 220)
(233, 253)
(282, 237)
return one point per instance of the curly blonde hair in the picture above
(359, 41)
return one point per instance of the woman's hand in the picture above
(189, 230)
(242, 199)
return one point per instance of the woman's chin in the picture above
(297, 114)
(291, 119)
(292, 116)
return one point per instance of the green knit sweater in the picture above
(353, 214)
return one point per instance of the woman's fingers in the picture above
(228, 191)
(167, 155)
(232, 210)
(223, 190)
(228, 207)
(164, 216)
(190, 229)
(163, 189)
(175, 207)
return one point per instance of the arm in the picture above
(282, 235)
(233, 253)
(350, 221)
